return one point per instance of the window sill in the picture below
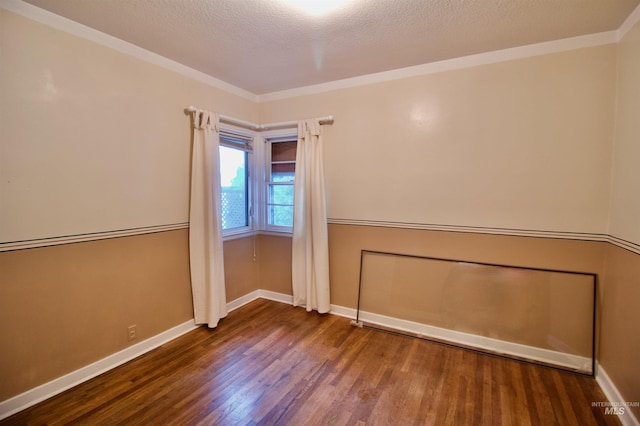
(277, 232)
(236, 235)
(250, 233)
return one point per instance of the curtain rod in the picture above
(230, 120)
(261, 127)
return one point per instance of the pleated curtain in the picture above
(205, 230)
(310, 256)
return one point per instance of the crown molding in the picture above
(497, 56)
(628, 23)
(74, 28)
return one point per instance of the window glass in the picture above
(281, 215)
(234, 185)
(280, 183)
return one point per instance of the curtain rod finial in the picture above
(327, 120)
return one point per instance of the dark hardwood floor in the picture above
(268, 363)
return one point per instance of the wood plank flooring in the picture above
(268, 363)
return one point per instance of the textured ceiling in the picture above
(265, 46)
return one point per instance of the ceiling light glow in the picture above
(316, 7)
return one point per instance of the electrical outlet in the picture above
(131, 332)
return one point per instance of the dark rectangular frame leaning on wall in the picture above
(390, 328)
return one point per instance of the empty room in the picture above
(319, 212)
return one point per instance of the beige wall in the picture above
(241, 266)
(346, 243)
(275, 263)
(620, 318)
(620, 348)
(625, 202)
(67, 306)
(92, 139)
(64, 307)
(519, 144)
(538, 308)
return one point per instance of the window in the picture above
(235, 180)
(281, 169)
(268, 184)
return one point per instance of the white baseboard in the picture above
(259, 294)
(56, 386)
(613, 395)
(546, 356)
(277, 297)
(243, 300)
(341, 311)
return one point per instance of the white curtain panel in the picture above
(310, 266)
(205, 229)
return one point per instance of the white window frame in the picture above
(251, 138)
(269, 137)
